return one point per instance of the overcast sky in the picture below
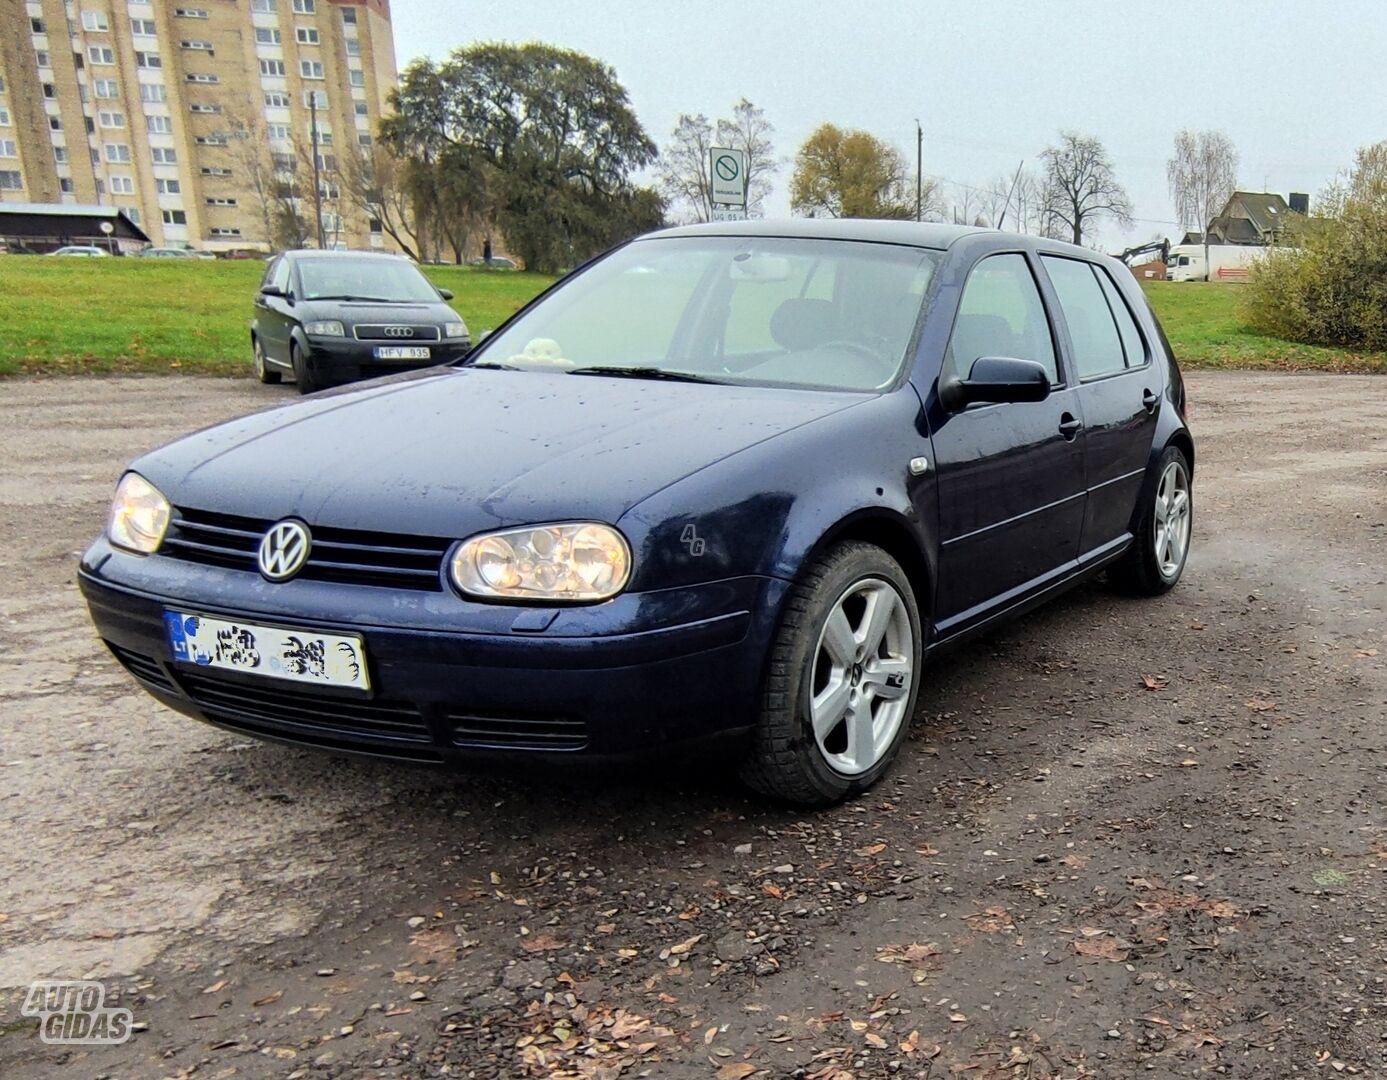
(1298, 90)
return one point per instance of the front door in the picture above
(1119, 391)
(1010, 476)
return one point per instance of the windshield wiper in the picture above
(643, 373)
(363, 299)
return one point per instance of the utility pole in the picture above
(317, 159)
(919, 173)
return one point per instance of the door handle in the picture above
(1069, 427)
(1150, 400)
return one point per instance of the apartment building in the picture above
(195, 117)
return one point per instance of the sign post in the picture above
(727, 183)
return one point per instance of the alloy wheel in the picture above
(863, 668)
(1172, 519)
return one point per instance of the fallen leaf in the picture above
(990, 920)
(606, 928)
(215, 986)
(685, 946)
(772, 889)
(627, 1024)
(1188, 763)
(927, 851)
(268, 999)
(1077, 862)
(873, 1039)
(907, 954)
(736, 1070)
(1261, 705)
(958, 1018)
(710, 1035)
(871, 849)
(1100, 945)
(1363, 654)
(541, 943)
(1222, 909)
(1153, 682)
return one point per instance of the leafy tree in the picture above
(1080, 188)
(683, 168)
(1203, 173)
(539, 139)
(851, 174)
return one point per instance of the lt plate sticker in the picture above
(309, 656)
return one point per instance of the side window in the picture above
(1133, 344)
(269, 277)
(282, 273)
(1000, 315)
(1097, 348)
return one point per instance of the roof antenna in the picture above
(1003, 215)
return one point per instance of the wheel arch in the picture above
(1181, 438)
(892, 533)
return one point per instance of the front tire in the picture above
(263, 372)
(304, 378)
(842, 680)
(1156, 560)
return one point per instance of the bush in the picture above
(1330, 288)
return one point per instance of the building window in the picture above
(42, 58)
(10, 180)
(327, 162)
(168, 187)
(144, 28)
(60, 155)
(153, 93)
(4, 117)
(95, 21)
(8, 148)
(353, 47)
(276, 99)
(101, 54)
(272, 68)
(201, 77)
(198, 46)
(324, 135)
(122, 185)
(264, 7)
(50, 91)
(357, 78)
(57, 125)
(363, 139)
(132, 213)
(159, 125)
(203, 107)
(282, 163)
(305, 7)
(267, 35)
(174, 217)
(221, 231)
(311, 69)
(148, 60)
(118, 153)
(36, 25)
(101, 187)
(65, 185)
(315, 99)
(349, 16)
(190, 13)
(163, 155)
(103, 88)
(277, 131)
(306, 35)
(221, 202)
(215, 170)
(360, 108)
(210, 140)
(109, 119)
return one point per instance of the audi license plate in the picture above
(277, 652)
(402, 352)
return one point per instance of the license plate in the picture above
(402, 352)
(277, 652)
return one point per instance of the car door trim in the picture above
(1012, 520)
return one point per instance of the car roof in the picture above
(321, 253)
(915, 233)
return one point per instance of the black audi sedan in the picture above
(329, 317)
(729, 484)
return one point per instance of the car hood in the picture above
(352, 312)
(453, 451)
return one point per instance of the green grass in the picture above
(1207, 330)
(107, 315)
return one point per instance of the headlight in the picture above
(454, 329)
(325, 328)
(139, 515)
(581, 561)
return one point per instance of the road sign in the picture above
(728, 213)
(727, 176)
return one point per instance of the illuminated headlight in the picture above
(454, 329)
(581, 561)
(139, 515)
(324, 328)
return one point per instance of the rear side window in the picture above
(1000, 315)
(1097, 346)
(1133, 344)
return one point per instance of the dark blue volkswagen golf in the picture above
(728, 482)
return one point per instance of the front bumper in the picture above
(341, 359)
(453, 680)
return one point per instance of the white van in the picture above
(1229, 262)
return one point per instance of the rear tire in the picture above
(1156, 560)
(304, 378)
(842, 680)
(263, 371)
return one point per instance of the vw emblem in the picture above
(284, 550)
(399, 331)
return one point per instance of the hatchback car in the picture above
(329, 317)
(82, 251)
(730, 483)
(175, 253)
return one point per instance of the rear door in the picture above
(1119, 390)
(1010, 476)
(272, 313)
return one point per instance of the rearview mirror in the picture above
(996, 379)
(447, 294)
(271, 290)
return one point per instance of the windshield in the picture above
(821, 314)
(364, 279)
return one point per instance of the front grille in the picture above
(381, 332)
(517, 732)
(145, 668)
(350, 556)
(396, 727)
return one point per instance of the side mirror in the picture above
(447, 294)
(271, 290)
(995, 379)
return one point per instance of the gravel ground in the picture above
(1127, 838)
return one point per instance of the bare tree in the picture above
(375, 186)
(1080, 188)
(248, 149)
(683, 166)
(1203, 173)
(750, 132)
